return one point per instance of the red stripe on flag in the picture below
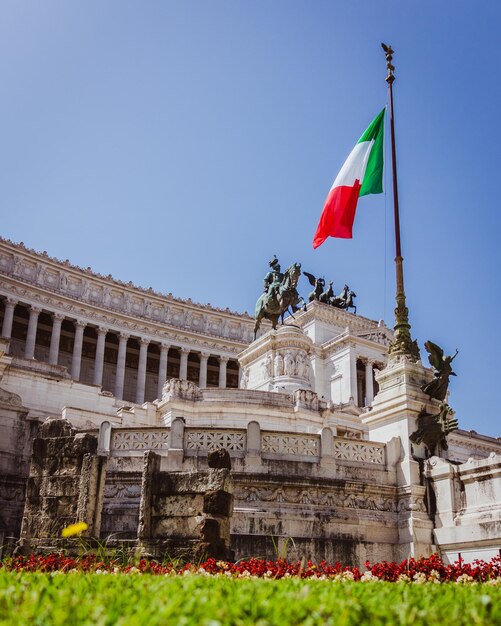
(338, 214)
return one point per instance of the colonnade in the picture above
(99, 359)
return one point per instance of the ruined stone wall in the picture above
(64, 485)
(186, 513)
(16, 435)
(294, 495)
(312, 495)
(316, 518)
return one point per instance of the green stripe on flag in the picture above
(373, 179)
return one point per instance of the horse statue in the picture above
(344, 300)
(340, 301)
(327, 294)
(349, 301)
(279, 296)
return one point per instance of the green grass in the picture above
(39, 599)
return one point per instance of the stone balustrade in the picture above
(244, 444)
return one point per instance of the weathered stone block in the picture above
(33, 487)
(57, 448)
(184, 505)
(218, 503)
(56, 428)
(192, 482)
(38, 450)
(84, 443)
(176, 527)
(209, 531)
(62, 486)
(219, 459)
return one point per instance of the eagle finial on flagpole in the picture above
(389, 66)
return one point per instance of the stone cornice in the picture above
(336, 317)
(346, 339)
(40, 279)
(43, 261)
(473, 439)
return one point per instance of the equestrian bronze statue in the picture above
(280, 294)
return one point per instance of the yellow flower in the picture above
(74, 529)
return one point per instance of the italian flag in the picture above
(361, 174)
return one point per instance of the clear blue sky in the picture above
(180, 144)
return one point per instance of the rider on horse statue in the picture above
(274, 277)
(279, 294)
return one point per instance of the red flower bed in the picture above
(434, 567)
(431, 569)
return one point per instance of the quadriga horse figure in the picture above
(344, 300)
(349, 301)
(340, 301)
(274, 303)
(327, 295)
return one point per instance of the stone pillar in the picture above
(77, 349)
(31, 337)
(183, 365)
(104, 438)
(162, 370)
(57, 320)
(8, 317)
(353, 376)
(99, 362)
(120, 376)
(369, 382)
(141, 370)
(327, 460)
(223, 361)
(202, 381)
(66, 483)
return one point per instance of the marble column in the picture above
(162, 370)
(99, 361)
(202, 380)
(31, 337)
(353, 376)
(369, 382)
(120, 375)
(55, 337)
(77, 349)
(8, 317)
(183, 364)
(141, 370)
(223, 361)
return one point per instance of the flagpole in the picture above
(402, 344)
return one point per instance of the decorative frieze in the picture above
(121, 491)
(381, 336)
(181, 389)
(306, 399)
(331, 498)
